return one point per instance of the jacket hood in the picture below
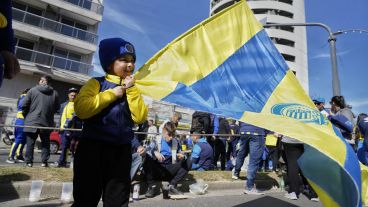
(45, 89)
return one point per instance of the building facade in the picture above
(290, 41)
(53, 37)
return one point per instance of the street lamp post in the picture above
(332, 42)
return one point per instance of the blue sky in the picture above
(150, 25)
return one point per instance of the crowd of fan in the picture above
(107, 109)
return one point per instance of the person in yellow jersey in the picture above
(20, 137)
(109, 107)
(67, 113)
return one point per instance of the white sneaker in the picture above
(253, 191)
(291, 196)
(234, 176)
(315, 199)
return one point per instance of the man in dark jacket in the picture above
(39, 108)
(221, 126)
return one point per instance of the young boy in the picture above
(202, 154)
(165, 162)
(109, 107)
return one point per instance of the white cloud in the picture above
(327, 55)
(359, 103)
(117, 16)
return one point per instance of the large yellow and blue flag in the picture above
(227, 65)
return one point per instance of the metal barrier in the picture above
(78, 130)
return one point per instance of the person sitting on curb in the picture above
(164, 161)
(202, 154)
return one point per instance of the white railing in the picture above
(89, 5)
(52, 60)
(51, 25)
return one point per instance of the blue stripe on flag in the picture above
(351, 161)
(222, 91)
(329, 176)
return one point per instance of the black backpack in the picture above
(201, 121)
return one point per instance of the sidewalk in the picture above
(15, 182)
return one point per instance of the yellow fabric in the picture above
(323, 196)
(321, 137)
(11, 149)
(289, 90)
(3, 21)
(137, 107)
(271, 140)
(19, 115)
(18, 150)
(90, 101)
(67, 113)
(114, 79)
(179, 52)
(364, 184)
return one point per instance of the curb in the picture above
(53, 189)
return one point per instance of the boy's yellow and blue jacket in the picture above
(106, 117)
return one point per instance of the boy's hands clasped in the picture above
(120, 90)
(129, 81)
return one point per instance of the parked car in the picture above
(55, 142)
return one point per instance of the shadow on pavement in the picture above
(41, 205)
(266, 201)
(8, 192)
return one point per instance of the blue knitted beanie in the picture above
(113, 48)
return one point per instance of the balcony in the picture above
(88, 5)
(54, 26)
(52, 60)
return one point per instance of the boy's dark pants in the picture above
(101, 169)
(173, 173)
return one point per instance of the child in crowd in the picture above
(202, 154)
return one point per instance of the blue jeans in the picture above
(65, 145)
(252, 145)
(136, 163)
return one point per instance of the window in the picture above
(289, 58)
(33, 17)
(69, 29)
(274, 12)
(19, 6)
(282, 41)
(287, 1)
(24, 49)
(285, 28)
(67, 60)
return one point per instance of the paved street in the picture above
(224, 198)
